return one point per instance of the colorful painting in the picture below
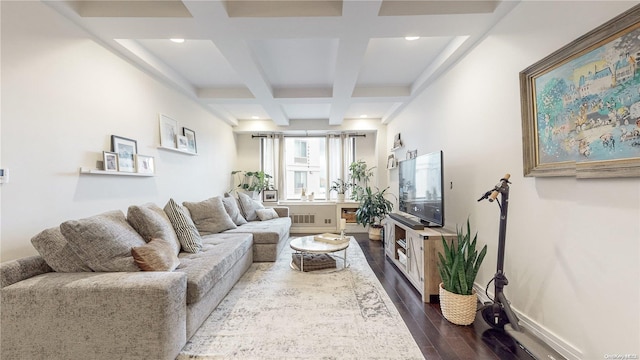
(585, 108)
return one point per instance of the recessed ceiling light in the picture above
(255, 117)
(411, 38)
(176, 40)
(363, 116)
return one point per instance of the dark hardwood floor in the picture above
(436, 337)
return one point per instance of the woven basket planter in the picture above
(458, 309)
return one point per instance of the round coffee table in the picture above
(307, 245)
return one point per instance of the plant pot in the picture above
(458, 309)
(340, 197)
(375, 233)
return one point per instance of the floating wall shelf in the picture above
(85, 171)
(178, 150)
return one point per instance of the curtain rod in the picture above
(307, 135)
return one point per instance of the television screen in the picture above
(420, 182)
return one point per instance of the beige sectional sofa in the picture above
(57, 306)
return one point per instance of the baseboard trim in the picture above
(556, 343)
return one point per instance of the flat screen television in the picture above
(420, 182)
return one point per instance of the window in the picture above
(308, 163)
(300, 151)
(299, 181)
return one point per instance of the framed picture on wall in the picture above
(183, 143)
(145, 164)
(110, 161)
(168, 132)
(581, 105)
(191, 139)
(126, 150)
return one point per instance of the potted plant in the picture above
(374, 207)
(253, 182)
(360, 175)
(458, 267)
(340, 186)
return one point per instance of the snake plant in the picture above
(460, 263)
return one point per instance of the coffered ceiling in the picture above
(294, 59)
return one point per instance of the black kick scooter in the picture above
(498, 312)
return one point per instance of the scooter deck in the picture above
(532, 345)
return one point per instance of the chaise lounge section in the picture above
(77, 312)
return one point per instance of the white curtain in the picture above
(339, 156)
(273, 162)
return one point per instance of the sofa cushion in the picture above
(266, 214)
(249, 206)
(265, 232)
(151, 222)
(56, 251)
(210, 216)
(184, 227)
(231, 206)
(218, 255)
(103, 242)
(157, 255)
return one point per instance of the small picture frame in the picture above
(168, 132)
(191, 140)
(126, 150)
(110, 161)
(183, 142)
(391, 161)
(397, 142)
(145, 164)
(270, 196)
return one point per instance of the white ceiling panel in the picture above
(396, 61)
(284, 60)
(297, 62)
(371, 110)
(198, 61)
(307, 111)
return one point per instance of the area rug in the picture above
(275, 312)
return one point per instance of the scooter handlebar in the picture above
(495, 192)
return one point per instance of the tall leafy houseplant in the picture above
(458, 267)
(374, 206)
(359, 174)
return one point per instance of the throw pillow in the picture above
(103, 242)
(249, 206)
(157, 255)
(185, 228)
(266, 214)
(231, 206)
(56, 251)
(210, 216)
(152, 222)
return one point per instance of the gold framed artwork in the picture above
(581, 105)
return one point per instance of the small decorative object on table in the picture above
(343, 225)
(331, 238)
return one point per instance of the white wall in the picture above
(572, 245)
(63, 96)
